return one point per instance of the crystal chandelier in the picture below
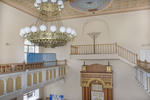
(52, 33)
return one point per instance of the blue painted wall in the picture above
(39, 57)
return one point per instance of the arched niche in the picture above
(95, 79)
(40, 77)
(29, 80)
(96, 25)
(59, 72)
(51, 74)
(10, 85)
(18, 83)
(54, 73)
(47, 75)
(35, 78)
(1, 87)
(62, 71)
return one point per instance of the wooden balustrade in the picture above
(112, 48)
(126, 54)
(89, 49)
(144, 65)
(19, 67)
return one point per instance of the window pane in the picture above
(27, 42)
(25, 57)
(25, 48)
(31, 49)
(36, 49)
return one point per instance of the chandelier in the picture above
(48, 33)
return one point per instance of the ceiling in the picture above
(84, 8)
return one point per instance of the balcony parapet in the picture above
(15, 83)
(21, 67)
(144, 65)
(104, 49)
(143, 77)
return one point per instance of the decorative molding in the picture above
(116, 6)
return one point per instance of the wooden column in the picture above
(83, 93)
(87, 93)
(105, 94)
(110, 94)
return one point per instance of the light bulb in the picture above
(73, 32)
(35, 4)
(53, 1)
(45, 0)
(60, 2)
(38, 8)
(43, 27)
(33, 29)
(27, 29)
(53, 28)
(62, 6)
(62, 29)
(38, 1)
(59, 9)
(22, 32)
(68, 30)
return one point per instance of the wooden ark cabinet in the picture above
(96, 82)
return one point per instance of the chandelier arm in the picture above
(38, 19)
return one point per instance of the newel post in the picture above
(65, 62)
(145, 64)
(24, 67)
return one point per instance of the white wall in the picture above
(11, 21)
(130, 30)
(124, 83)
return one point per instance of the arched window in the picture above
(29, 48)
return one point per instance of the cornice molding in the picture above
(116, 6)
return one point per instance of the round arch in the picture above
(96, 79)
(98, 25)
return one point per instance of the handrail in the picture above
(111, 48)
(126, 54)
(20, 67)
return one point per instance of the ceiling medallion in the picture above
(48, 34)
(89, 5)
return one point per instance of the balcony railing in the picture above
(22, 77)
(144, 65)
(143, 75)
(112, 48)
(20, 67)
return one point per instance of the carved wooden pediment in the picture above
(96, 72)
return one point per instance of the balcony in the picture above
(20, 78)
(103, 51)
(143, 75)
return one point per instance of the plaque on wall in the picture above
(97, 87)
(97, 95)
